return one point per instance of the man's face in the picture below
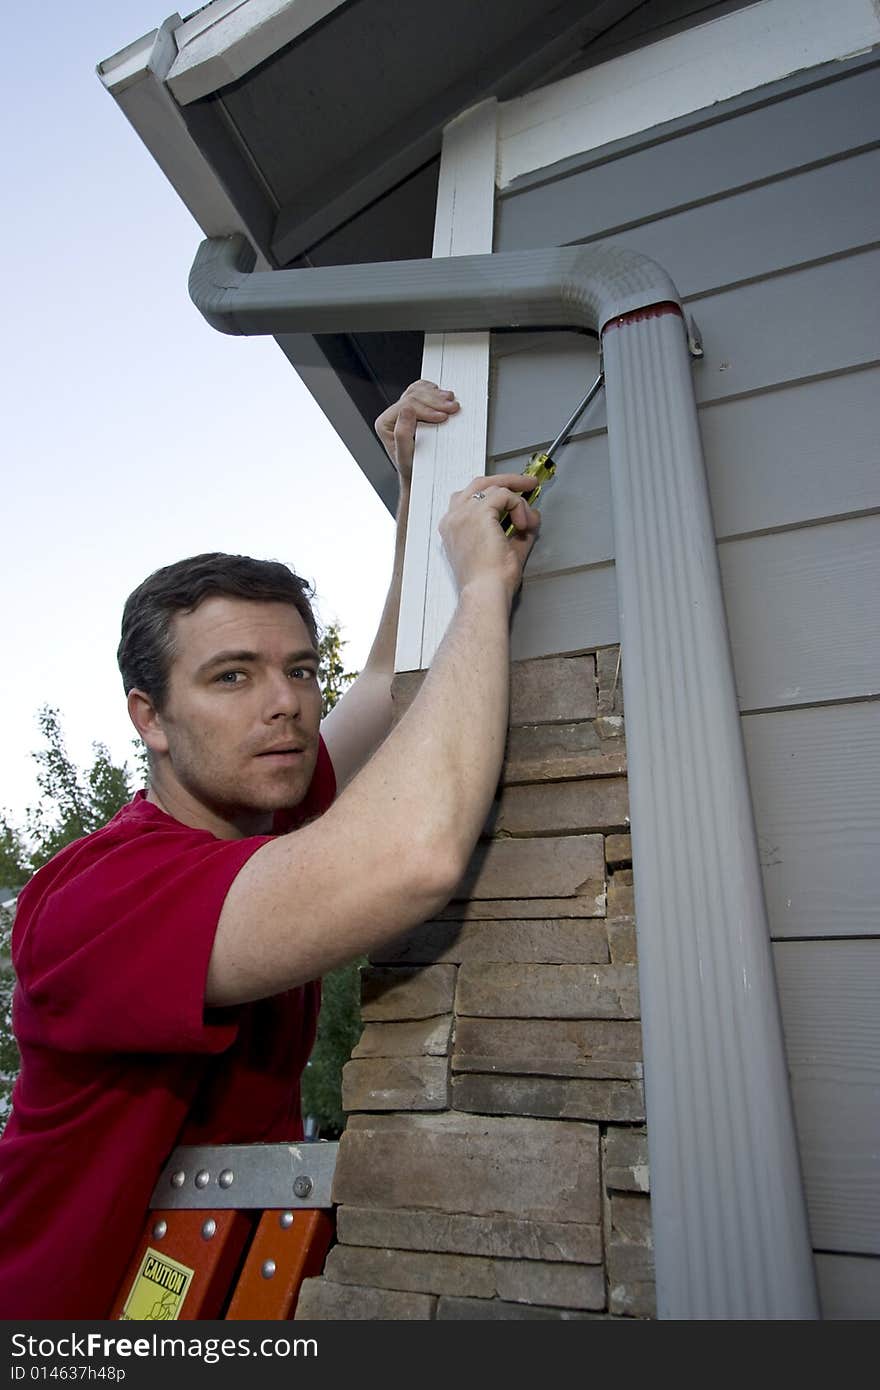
(242, 711)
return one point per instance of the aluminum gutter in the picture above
(729, 1218)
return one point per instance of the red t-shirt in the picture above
(120, 1060)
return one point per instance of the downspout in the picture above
(729, 1217)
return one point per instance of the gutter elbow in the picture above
(218, 274)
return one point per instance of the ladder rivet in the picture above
(285, 1220)
(209, 1229)
(178, 1178)
(159, 1229)
(268, 1269)
(302, 1187)
(226, 1178)
(202, 1178)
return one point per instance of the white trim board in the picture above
(230, 37)
(674, 76)
(450, 455)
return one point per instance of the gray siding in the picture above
(766, 212)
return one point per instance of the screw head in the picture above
(209, 1229)
(202, 1178)
(303, 1186)
(226, 1178)
(178, 1178)
(285, 1220)
(268, 1269)
(159, 1229)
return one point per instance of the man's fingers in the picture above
(514, 482)
(423, 400)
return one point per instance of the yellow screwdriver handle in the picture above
(540, 467)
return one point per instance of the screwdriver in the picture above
(541, 466)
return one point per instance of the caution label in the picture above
(158, 1290)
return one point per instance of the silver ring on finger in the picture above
(477, 496)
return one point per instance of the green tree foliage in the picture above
(335, 680)
(72, 803)
(15, 869)
(339, 1026)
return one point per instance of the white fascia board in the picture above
(675, 76)
(135, 78)
(229, 37)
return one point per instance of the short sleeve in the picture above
(115, 958)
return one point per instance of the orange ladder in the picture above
(232, 1231)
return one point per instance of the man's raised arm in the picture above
(356, 726)
(391, 850)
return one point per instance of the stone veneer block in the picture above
(618, 850)
(556, 867)
(429, 1037)
(553, 689)
(549, 752)
(402, 992)
(631, 1288)
(547, 991)
(622, 940)
(413, 1271)
(609, 679)
(631, 1219)
(630, 1256)
(621, 901)
(502, 1237)
(559, 1285)
(541, 941)
(321, 1300)
(484, 1310)
(609, 727)
(626, 1160)
(396, 1083)
(519, 1281)
(619, 1102)
(534, 1170)
(551, 808)
(549, 1047)
(523, 908)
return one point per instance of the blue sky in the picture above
(133, 433)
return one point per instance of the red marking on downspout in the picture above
(650, 311)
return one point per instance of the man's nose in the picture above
(284, 697)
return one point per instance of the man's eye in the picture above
(229, 677)
(303, 673)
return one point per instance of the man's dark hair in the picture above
(146, 648)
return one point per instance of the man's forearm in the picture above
(382, 652)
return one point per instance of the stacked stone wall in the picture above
(495, 1163)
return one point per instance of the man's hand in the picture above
(396, 426)
(473, 538)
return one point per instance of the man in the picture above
(167, 963)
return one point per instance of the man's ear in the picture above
(147, 720)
